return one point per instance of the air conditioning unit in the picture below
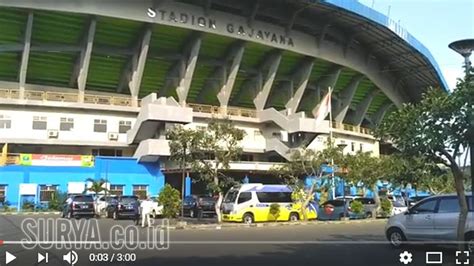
(53, 134)
(113, 136)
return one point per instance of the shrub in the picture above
(56, 201)
(357, 207)
(275, 210)
(386, 206)
(28, 205)
(170, 199)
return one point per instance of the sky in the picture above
(435, 23)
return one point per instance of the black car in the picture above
(123, 207)
(198, 206)
(78, 206)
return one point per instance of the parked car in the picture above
(334, 209)
(398, 207)
(414, 200)
(123, 207)
(78, 206)
(157, 208)
(198, 206)
(101, 203)
(432, 219)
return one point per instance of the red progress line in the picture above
(1, 242)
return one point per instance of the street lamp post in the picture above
(465, 48)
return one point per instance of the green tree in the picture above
(303, 163)
(180, 142)
(438, 128)
(170, 199)
(212, 151)
(368, 169)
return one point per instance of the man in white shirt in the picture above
(146, 209)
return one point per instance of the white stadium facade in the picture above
(107, 78)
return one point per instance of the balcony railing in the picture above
(67, 97)
(234, 111)
(352, 128)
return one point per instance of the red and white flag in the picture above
(323, 109)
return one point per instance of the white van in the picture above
(250, 203)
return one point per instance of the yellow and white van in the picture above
(250, 203)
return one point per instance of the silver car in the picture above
(433, 219)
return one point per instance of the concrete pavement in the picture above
(310, 244)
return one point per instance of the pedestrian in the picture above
(146, 209)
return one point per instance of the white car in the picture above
(157, 209)
(398, 207)
(101, 203)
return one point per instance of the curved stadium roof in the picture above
(60, 31)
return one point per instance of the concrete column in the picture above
(345, 99)
(84, 60)
(299, 82)
(358, 116)
(379, 115)
(328, 80)
(190, 65)
(138, 65)
(226, 90)
(25, 55)
(271, 62)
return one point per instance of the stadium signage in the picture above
(169, 16)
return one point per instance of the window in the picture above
(124, 126)
(107, 152)
(3, 193)
(244, 197)
(140, 191)
(447, 205)
(335, 203)
(100, 125)
(47, 192)
(5, 121)
(361, 147)
(352, 146)
(274, 196)
(66, 124)
(426, 206)
(40, 122)
(116, 190)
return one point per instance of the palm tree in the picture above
(97, 186)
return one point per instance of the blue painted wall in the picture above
(117, 170)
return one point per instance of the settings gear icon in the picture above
(406, 257)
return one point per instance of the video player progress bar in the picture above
(228, 242)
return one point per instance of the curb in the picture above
(29, 213)
(238, 225)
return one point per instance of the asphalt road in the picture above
(316, 244)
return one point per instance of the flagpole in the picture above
(330, 116)
(330, 143)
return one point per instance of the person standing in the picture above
(146, 210)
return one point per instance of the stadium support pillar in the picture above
(342, 106)
(82, 66)
(138, 65)
(358, 116)
(328, 80)
(235, 55)
(265, 79)
(189, 64)
(379, 115)
(300, 81)
(25, 55)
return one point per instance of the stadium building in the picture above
(107, 78)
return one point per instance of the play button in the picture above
(9, 257)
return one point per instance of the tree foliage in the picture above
(209, 153)
(97, 186)
(170, 199)
(303, 163)
(440, 128)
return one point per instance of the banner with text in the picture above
(56, 160)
